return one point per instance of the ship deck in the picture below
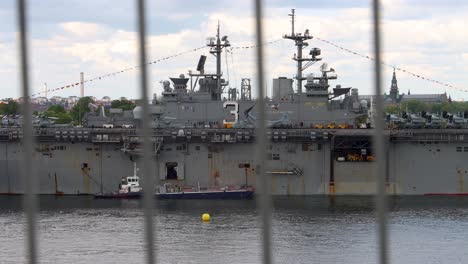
(225, 135)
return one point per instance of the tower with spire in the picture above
(394, 95)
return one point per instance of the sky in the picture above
(98, 37)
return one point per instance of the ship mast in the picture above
(216, 49)
(299, 39)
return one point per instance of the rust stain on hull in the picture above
(85, 173)
(331, 188)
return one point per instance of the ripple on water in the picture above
(305, 230)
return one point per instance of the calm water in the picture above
(306, 230)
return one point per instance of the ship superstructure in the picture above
(203, 134)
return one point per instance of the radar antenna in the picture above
(300, 39)
(217, 44)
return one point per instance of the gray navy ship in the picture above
(203, 134)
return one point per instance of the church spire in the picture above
(394, 88)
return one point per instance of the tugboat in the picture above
(129, 188)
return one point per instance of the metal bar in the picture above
(264, 198)
(379, 142)
(148, 181)
(29, 201)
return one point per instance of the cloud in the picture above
(81, 29)
(429, 45)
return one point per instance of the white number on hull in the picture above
(234, 112)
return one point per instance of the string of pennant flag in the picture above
(97, 78)
(392, 66)
(255, 46)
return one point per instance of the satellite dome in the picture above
(364, 103)
(138, 112)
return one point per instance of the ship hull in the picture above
(435, 162)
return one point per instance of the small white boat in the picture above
(129, 188)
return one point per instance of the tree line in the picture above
(9, 108)
(75, 115)
(415, 106)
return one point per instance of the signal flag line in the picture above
(97, 78)
(112, 74)
(392, 66)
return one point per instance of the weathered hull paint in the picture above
(295, 168)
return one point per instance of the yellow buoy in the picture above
(206, 217)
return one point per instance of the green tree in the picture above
(457, 107)
(436, 108)
(56, 109)
(123, 104)
(414, 106)
(392, 109)
(80, 109)
(59, 112)
(10, 108)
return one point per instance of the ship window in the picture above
(171, 171)
(465, 149)
(319, 146)
(197, 147)
(275, 156)
(459, 149)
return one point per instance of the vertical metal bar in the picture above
(264, 198)
(379, 141)
(148, 181)
(30, 180)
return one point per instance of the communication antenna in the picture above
(300, 40)
(292, 15)
(324, 67)
(81, 85)
(216, 45)
(45, 89)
